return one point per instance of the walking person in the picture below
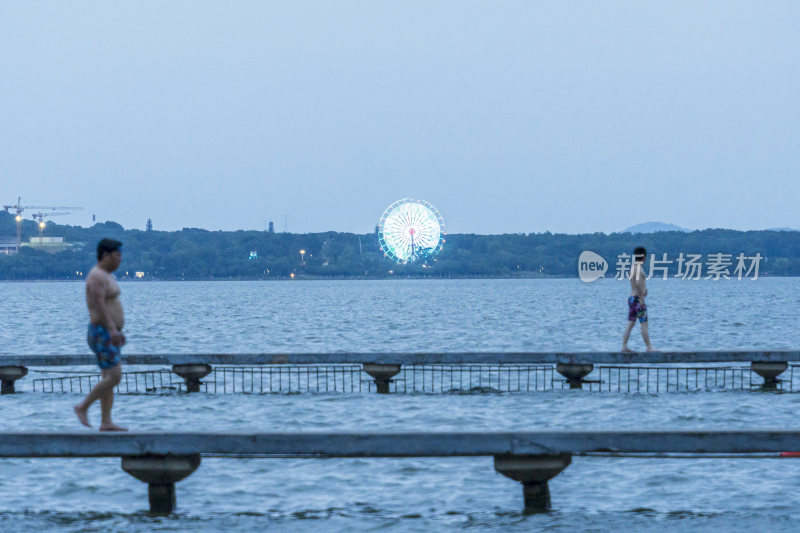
(637, 310)
(105, 336)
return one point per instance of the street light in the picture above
(302, 257)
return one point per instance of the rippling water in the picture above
(413, 315)
(408, 494)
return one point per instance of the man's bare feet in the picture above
(625, 349)
(112, 427)
(81, 414)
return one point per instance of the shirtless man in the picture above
(105, 332)
(636, 306)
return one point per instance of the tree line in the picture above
(197, 254)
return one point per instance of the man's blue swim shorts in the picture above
(636, 309)
(99, 339)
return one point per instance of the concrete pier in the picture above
(531, 458)
(401, 358)
(192, 374)
(533, 471)
(382, 374)
(404, 444)
(574, 373)
(8, 375)
(770, 372)
(161, 473)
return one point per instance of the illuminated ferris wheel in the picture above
(411, 230)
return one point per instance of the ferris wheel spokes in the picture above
(410, 230)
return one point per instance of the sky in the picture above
(508, 116)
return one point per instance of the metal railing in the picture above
(141, 382)
(349, 379)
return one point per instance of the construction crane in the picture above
(19, 208)
(41, 216)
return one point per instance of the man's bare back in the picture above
(638, 281)
(637, 309)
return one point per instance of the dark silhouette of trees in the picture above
(199, 254)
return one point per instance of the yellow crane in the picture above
(19, 208)
(41, 216)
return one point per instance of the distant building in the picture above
(51, 245)
(149, 225)
(8, 245)
(271, 228)
(253, 255)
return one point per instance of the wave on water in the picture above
(363, 517)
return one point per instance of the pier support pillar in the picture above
(382, 374)
(192, 375)
(8, 375)
(161, 472)
(770, 372)
(533, 471)
(574, 373)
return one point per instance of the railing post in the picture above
(161, 472)
(382, 374)
(574, 373)
(8, 375)
(192, 375)
(770, 372)
(533, 471)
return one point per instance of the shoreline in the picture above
(366, 278)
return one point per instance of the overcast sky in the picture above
(507, 116)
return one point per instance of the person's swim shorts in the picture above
(636, 309)
(99, 339)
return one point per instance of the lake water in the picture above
(407, 494)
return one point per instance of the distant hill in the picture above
(782, 229)
(653, 227)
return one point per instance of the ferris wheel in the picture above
(411, 230)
